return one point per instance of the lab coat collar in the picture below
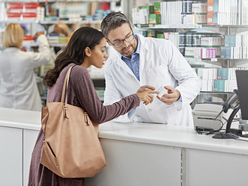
(143, 56)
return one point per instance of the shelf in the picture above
(152, 26)
(217, 62)
(20, 21)
(212, 60)
(215, 92)
(53, 1)
(183, 26)
(69, 22)
(51, 22)
(219, 26)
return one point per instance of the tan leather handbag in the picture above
(71, 148)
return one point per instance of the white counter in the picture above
(176, 136)
(136, 154)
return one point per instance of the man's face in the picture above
(119, 34)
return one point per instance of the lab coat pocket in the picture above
(171, 113)
(158, 76)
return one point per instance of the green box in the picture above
(154, 19)
(157, 8)
(160, 36)
(150, 33)
(150, 9)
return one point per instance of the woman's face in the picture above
(99, 54)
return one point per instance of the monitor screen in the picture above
(242, 83)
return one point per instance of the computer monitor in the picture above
(242, 83)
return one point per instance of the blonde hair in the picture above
(13, 36)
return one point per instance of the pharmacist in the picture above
(148, 61)
(18, 82)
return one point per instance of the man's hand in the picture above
(172, 96)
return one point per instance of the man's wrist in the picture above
(179, 95)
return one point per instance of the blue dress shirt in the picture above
(133, 62)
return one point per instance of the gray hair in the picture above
(112, 21)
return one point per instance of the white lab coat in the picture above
(161, 63)
(18, 82)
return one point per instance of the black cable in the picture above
(202, 130)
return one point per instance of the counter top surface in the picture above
(20, 118)
(159, 134)
(176, 136)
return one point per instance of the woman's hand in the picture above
(145, 94)
(145, 88)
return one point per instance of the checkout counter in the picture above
(137, 154)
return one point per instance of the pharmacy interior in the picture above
(212, 36)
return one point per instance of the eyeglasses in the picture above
(121, 42)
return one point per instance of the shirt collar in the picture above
(137, 50)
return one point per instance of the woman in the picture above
(18, 82)
(85, 48)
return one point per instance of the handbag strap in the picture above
(65, 91)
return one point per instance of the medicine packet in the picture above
(162, 91)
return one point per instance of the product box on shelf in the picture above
(223, 73)
(27, 42)
(193, 52)
(226, 52)
(199, 8)
(160, 35)
(189, 19)
(233, 40)
(151, 33)
(28, 16)
(154, 19)
(210, 5)
(157, 8)
(15, 7)
(149, 8)
(13, 15)
(208, 53)
(200, 18)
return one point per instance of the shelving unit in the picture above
(217, 62)
(98, 82)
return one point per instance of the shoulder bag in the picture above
(71, 148)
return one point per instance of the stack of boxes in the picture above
(24, 11)
(226, 12)
(147, 15)
(186, 12)
(218, 79)
(200, 12)
(200, 46)
(54, 39)
(235, 47)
